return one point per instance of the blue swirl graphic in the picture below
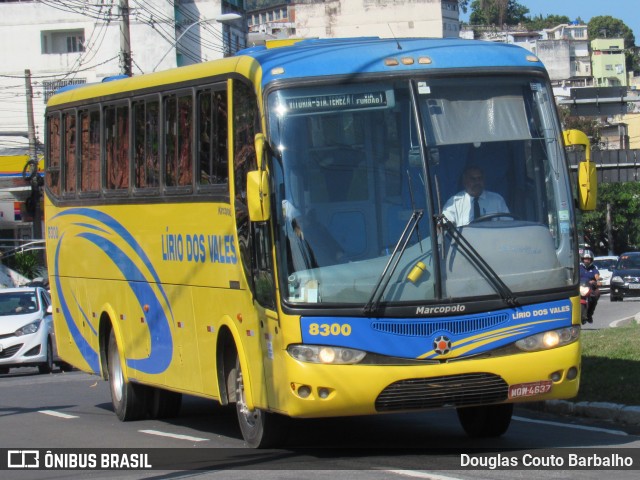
(161, 352)
(88, 353)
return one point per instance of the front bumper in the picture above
(27, 350)
(626, 290)
(313, 390)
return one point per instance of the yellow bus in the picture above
(275, 230)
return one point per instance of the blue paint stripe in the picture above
(87, 352)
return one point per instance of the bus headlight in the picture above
(550, 339)
(325, 354)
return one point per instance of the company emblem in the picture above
(442, 345)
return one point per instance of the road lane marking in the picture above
(174, 435)
(425, 475)
(53, 413)
(569, 425)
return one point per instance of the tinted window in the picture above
(53, 154)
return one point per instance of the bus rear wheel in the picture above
(486, 421)
(259, 429)
(163, 403)
(128, 398)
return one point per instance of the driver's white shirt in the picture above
(459, 208)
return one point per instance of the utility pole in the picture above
(609, 230)
(125, 40)
(34, 201)
(31, 129)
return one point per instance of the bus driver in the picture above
(474, 201)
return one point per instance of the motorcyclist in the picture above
(590, 275)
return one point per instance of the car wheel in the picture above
(259, 429)
(613, 298)
(486, 421)
(4, 370)
(129, 399)
(47, 366)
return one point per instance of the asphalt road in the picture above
(73, 411)
(612, 314)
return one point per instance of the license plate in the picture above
(530, 389)
(634, 286)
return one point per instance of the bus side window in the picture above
(117, 147)
(53, 153)
(212, 137)
(178, 136)
(69, 163)
(146, 117)
(89, 151)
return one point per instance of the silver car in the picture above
(27, 337)
(605, 266)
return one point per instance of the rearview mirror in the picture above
(258, 197)
(587, 178)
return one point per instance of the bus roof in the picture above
(322, 57)
(290, 59)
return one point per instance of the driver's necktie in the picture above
(476, 208)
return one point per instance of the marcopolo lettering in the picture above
(440, 309)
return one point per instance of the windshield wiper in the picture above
(476, 259)
(401, 245)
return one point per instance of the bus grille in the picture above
(436, 392)
(426, 328)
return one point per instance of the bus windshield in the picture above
(420, 190)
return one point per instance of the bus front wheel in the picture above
(485, 421)
(128, 398)
(259, 429)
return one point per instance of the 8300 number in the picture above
(330, 329)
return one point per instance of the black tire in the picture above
(129, 399)
(583, 313)
(259, 429)
(4, 370)
(65, 367)
(163, 403)
(486, 421)
(47, 366)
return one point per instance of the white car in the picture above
(605, 266)
(27, 338)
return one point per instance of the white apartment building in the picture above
(354, 18)
(62, 44)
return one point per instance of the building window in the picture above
(62, 41)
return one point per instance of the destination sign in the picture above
(342, 101)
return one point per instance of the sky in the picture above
(626, 10)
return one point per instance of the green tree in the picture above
(497, 12)
(605, 26)
(27, 264)
(624, 198)
(539, 22)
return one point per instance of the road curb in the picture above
(622, 414)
